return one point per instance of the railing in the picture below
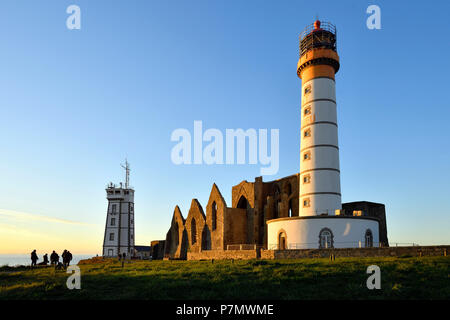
(117, 186)
(343, 244)
(322, 37)
(324, 25)
(403, 244)
(244, 246)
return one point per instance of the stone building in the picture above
(302, 211)
(244, 224)
(157, 249)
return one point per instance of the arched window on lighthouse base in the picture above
(369, 239)
(325, 239)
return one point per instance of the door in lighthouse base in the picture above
(110, 252)
(281, 241)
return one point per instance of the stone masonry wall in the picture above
(415, 251)
(236, 226)
(216, 220)
(223, 254)
(157, 249)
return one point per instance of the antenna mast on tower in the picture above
(127, 173)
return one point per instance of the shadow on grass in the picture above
(345, 278)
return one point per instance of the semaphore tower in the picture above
(119, 229)
(320, 190)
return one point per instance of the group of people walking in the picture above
(54, 259)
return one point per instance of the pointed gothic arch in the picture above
(193, 231)
(214, 216)
(242, 203)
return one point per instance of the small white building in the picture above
(119, 228)
(142, 252)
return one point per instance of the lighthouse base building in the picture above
(323, 232)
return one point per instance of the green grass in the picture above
(344, 278)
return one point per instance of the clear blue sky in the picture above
(75, 103)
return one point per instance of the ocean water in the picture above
(24, 259)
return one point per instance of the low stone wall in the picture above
(415, 251)
(267, 254)
(223, 254)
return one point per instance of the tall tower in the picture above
(119, 229)
(320, 190)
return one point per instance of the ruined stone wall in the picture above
(266, 201)
(258, 211)
(243, 197)
(157, 249)
(236, 227)
(216, 220)
(279, 199)
(196, 228)
(176, 238)
(244, 189)
(284, 194)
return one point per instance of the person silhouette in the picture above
(64, 257)
(54, 258)
(69, 257)
(34, 258)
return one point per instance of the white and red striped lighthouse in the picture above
(318, 224)
(320, 190)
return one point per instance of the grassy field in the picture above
(344, 278)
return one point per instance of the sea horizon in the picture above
(12, 260)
